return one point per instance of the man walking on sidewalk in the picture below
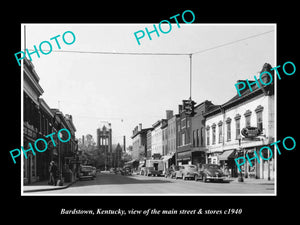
(53, 172)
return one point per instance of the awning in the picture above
(184, 155)
(227, 154)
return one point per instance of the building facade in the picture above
(104, 144)
(149, 138)
(139, 143)
(156, 139)
(224, 124)
(184, 144)
(198, 150)
(31, 119)
(39, 120)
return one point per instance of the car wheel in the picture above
(183, 177)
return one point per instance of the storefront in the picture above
(184, 158)
(29, 165)
(259, 169)
(227, 162)
(198, 158)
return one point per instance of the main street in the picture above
(109, 183)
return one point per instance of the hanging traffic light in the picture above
(189, 107)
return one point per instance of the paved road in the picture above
(106, 183)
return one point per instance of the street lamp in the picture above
(240, 149)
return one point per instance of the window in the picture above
(202, 137)
(194, 138)
(179, 140)
(259, 118)
(183, 138)
(248, 118)
(220, 132)
(188, 123)
(214, 134)
(237, 128)
(228, 125)
(248, 123)
(207, 135)
(183, 121)
(198, 138)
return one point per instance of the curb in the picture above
(51, 189)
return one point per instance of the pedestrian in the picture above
(53, 173)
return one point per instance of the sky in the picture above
(126, 90)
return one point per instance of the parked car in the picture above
(187, 171)
(126, 171)
(111, 170)
(209, 172)
(176, 169)
(168, 172)
(117, 170)
(171, 172)
(86, 172)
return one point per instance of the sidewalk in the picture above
(44, 186)
(251, 181)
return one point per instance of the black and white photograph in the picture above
(149, 113)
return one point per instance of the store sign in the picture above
(250, 132)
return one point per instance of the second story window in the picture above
(220, 131)
(248, 118)
(259, 117)
(237, 128)
(228, 125)
(207, 135)
(213, 134)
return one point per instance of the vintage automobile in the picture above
(209, 172)
(86, 172)
(126, 171)
(187, 171)
(171, 172)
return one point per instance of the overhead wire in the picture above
(161, 53)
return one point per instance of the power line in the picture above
(114, 53)
(233, 42)
(159, 53)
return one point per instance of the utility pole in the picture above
(190, 55)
